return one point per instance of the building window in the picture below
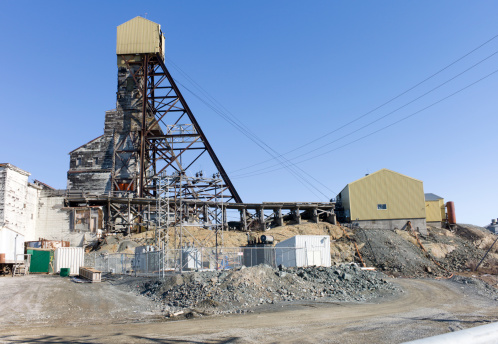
(381, 206)
(78, 161)
(96, 160)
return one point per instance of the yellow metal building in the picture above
(434, 209)
(382, 197)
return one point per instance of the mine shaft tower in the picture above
(136, 172)
(159, 132)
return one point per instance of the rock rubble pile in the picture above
(237, 291)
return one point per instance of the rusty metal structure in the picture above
(152, 132)
(166, 137)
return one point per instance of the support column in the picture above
(243, 219)
(297, 215)
(314, 216)
(331, 218)
(261, 213)
(279, 218)
(129, 217)
(205, 214)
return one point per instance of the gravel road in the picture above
(47, 309)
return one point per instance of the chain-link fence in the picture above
(156, 263)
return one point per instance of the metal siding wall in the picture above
(311, 243)
(319, 243)
(288, 257)
(442, 209)
(69, 257)
(404, 197)
(433, 210)
(137, 36)
(346, 201)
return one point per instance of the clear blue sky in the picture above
(291, 71)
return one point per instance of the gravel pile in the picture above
(392, 253)
(476, 286)
(238, 291)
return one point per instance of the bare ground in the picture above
(48, 309)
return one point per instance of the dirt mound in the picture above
(202, 237)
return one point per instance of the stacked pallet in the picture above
(91, 274)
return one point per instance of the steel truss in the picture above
(160, 141)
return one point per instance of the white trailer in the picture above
(304, 250)
(11, 249)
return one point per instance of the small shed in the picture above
(303, 250)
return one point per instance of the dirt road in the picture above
(53, 310)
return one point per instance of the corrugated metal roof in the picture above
(432, 197)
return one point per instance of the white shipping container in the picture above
(12, 244)
(69, 257)
(304, 250)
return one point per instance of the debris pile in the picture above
(237, 291)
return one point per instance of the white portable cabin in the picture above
(304, 250)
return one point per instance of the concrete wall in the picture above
(392, 224)
(32, 211)
(57, 222)
(53, 221)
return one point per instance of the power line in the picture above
(292, 169)
(231, 119)
(384, 116)
(378, 107)
(381, 129)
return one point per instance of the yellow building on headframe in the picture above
(384, 199)
(434, 209)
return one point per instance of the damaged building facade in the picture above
(36, 210)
